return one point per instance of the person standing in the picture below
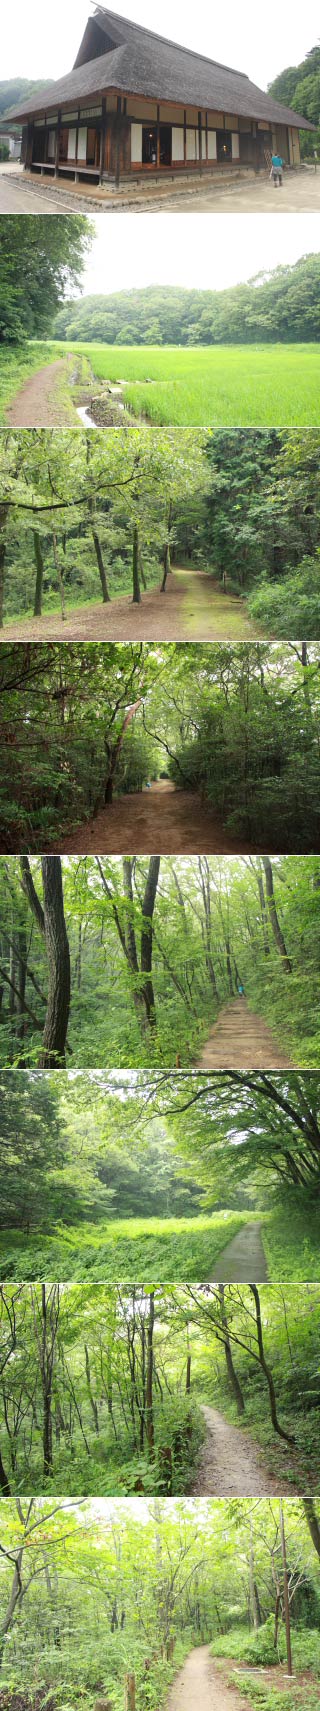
(276, 169)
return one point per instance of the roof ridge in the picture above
(144, 31)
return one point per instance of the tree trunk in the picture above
(3, 519)
(4, 1482)
(267, 1370)
(166, 568)
(37, 608)
(275, 923)
(285, 1589)
(136, 595)
(148, 905)
(58, 1003)
(149, 1384)
(59, 575)
(232, 1375)
(312, 1522)
(101, 567)
(90, 1392)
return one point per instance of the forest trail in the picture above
(230, 1463)
(192, 609)
(241, 1040)
(40, 402)
(176, 824)
(199, 1684)
(243, 1260)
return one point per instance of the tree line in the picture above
(299, 87)
(283, 307)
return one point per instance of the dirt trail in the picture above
(199, 1684)
(241, 1040)
(39, 404)
(230, 1464)
(192, 609)
(162, 820)
(243, 1260)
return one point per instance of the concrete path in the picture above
(243, 1260)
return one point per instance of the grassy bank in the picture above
(128, 1249)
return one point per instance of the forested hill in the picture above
(284, 306)
(13, 91)
(299, 87)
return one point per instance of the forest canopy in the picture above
(54, 253)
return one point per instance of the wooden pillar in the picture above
(130, 1692)
(56, 163)
(200, 137)
(29, 148)
(185, 135)
(158, 136)
(103, 135)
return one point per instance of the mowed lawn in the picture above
(128, 1249)
(267, 385)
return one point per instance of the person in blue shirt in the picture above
(276, 168)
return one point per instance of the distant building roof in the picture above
(138, 62)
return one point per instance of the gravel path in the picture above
(241, 1040)
(230, 1464)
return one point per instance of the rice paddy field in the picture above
(268, 385)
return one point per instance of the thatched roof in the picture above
(137, 62)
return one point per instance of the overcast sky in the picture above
(210, 250)
(42, 41)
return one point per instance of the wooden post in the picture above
(130, 1692)
(285, 1589)
(158, 136)
(56, 163)
(103, 134)
(185, 137)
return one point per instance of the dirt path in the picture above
(192, 609)
(40, 403)
(241, 1040)
(162, 820)
(230, 1464)
(198, 1687)
(243, 1260)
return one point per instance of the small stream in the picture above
(84, 416)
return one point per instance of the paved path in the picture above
(243, 1260)
(300, 193)
(230, 1464)
(193, 608)
(162, 820)
(241, 1040)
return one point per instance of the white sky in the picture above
(209, 250)
(42, 41)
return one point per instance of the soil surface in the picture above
(39, 404)
(199, 1687)
(162, 820)
(230, 1464)
(193, 608)
(243, 1260)
(241, 1040)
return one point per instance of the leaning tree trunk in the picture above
(57, 946)
(289, 1439)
